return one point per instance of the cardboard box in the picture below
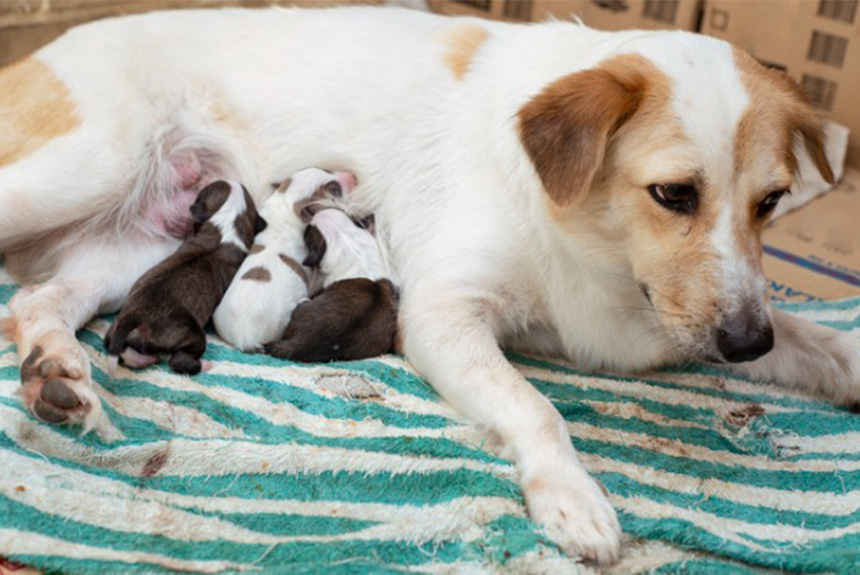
(26, 25)
(816, 42)
(511, 10)
(602, 14)
(814, 253)
(625, 14)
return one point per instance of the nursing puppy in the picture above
(271, 282)
(355, 316)
(169, 305)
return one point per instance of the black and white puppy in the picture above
(355, 316)
(272, 282)
(169, 306)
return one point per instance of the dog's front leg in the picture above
(811, 357)
(455, 348)
(55, 371)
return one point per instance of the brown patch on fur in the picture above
(256, 248)
(35, 107)
(259, 274)
(296, 267)
(9, 328)
(777, 112)
(283, 186)
(312, 202)
(462, 42)
(567, 128)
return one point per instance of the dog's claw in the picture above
(58, 394)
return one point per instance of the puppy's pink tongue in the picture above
(205, 365)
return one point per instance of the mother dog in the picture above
(549, 187)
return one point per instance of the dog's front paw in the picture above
(55, 384)
(576, 514)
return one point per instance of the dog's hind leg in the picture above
(94, 277)
(186, 358)
(811, 357)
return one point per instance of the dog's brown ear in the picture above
(566, 128)
(315, 242)
(806, 122)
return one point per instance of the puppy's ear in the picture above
(566, 128)
(316, 247)
(260, 224)
(368, 223)
(209, 200)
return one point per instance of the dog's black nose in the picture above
(741, 339)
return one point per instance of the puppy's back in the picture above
(351, 319)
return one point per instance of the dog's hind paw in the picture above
(55, 387)
(577, 516)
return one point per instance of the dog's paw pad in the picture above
(58, 394)
(55, 392)
(576, 515)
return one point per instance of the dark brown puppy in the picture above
(351, 319)
(355, 316)
(170, 304)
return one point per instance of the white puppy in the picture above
(271, 282)
(342, 249)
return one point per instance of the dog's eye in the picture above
(334, 188)
(769, 203)
(681, 198)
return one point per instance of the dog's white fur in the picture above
(253, 313)
(351, 251)
(460, 206)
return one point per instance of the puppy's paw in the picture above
(185, 363)
(576, 514)
(55, 384)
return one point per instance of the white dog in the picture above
(596, 195)
(272, 280)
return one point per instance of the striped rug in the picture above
(263, 466)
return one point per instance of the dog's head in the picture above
(667, 160)
(308, 190)
(230, 210)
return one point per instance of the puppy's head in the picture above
(341, 247)
(665, 163)
(228, 208)
(311, 189)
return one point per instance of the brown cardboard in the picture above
(602, 14)
(624, 14)
(816, 42)
(26, 25)
(814, 253)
